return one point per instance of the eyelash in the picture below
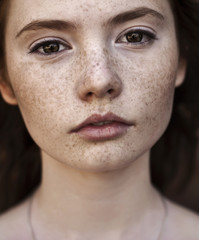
(149, 37)
(45, 43)
(141, 32)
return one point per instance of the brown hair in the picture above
(4, 6)
(173, 157)
(20, 165)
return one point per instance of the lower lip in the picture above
(104, 132)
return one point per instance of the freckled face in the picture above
(63, 73)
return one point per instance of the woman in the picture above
(94, 81)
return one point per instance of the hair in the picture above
(173, 158)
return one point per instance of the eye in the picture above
(49, 47)
(137, 37)
(134, 37)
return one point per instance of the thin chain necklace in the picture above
(30, 217)
(29, 213)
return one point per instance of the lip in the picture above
(115, 127)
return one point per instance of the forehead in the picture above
(80, 11)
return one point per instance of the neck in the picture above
(108, 204)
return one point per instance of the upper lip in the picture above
(97, 118)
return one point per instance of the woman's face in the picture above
(70, 59)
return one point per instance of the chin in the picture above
(104, 160)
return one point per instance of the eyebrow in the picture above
(66, 25)
(133, 14)
(48, 24)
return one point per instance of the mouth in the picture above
(102, 128)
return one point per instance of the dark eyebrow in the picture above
(50, 24)
(64, 25)
(133, 14)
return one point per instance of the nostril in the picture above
(89, 94)
(110, 91)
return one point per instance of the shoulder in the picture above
(14, 224)
(181, 224)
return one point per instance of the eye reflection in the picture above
(50, 48)
(134, 37)
(137, 38)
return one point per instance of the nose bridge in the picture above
(96, 60)
(98, 76)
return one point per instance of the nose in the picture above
(98, 80)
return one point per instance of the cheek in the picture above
(44, 94)
(158, 85)
(149, 90)
(150, 80)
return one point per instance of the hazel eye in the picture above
(134, 37)
(137, 37)
(49, 47)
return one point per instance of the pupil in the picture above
(134, 37)
(52, 47)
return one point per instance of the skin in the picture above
(94, 190)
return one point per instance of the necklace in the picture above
(29, 213)
(29, 216)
